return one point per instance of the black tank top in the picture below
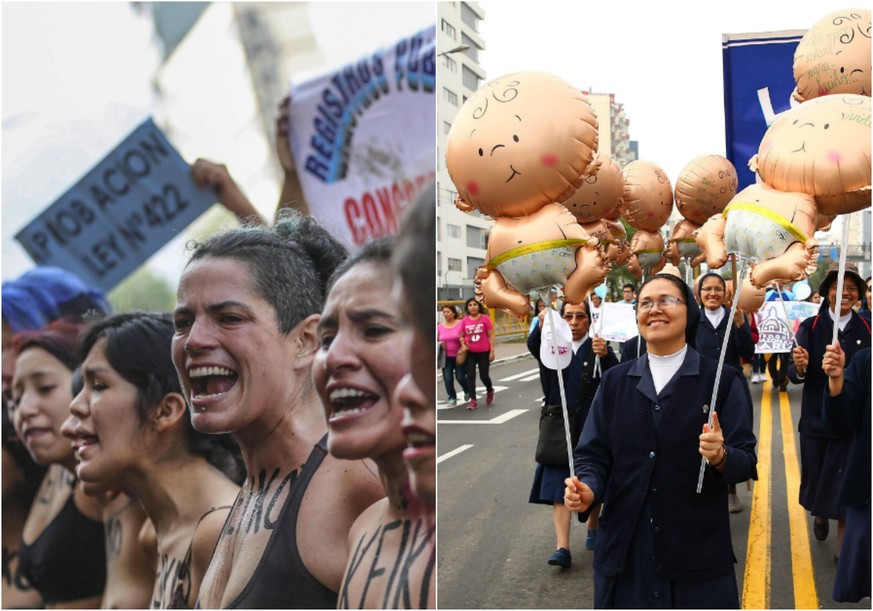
(68, 559)
(281, 580)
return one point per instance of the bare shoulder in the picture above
(205, 537)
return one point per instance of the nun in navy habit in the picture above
(661, 543)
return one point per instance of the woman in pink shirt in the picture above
(478, 336)
(449, 334)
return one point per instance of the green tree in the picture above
(143, 290)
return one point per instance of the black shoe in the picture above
(561, 558)
(820, 529)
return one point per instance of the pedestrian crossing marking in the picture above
(521, 375)
(499, 419)
(454, 452)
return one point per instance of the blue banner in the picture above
(758, 81)
(138, 198)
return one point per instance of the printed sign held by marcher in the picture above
(138, 198)
(363, 138)
(618, 322)
(774, 334)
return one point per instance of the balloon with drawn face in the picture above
(520, 142)
(648, 195)
(821, 147)
(834, 56)
(599, 196)
(704, 187)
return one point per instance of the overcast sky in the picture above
(662, 60)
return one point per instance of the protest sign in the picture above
(758, 80)
(618, 322)
(135, 200)
(775, 331)
(363, 138)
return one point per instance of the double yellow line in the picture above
(756, 582)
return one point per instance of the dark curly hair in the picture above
(290, 263)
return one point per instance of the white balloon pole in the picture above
(787, 317)
(840, 275)
(597, 370)
(738, 285)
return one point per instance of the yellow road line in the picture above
(756, 582)
(805, 596)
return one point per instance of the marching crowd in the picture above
(638, 444)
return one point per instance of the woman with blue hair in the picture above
(39, 296)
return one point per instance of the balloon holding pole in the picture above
(838, 299)
(711, 407)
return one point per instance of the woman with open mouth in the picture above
(363, 355)
(415, 293)
(661, 543)
(132, 432)
(63, 528)
(248, 305)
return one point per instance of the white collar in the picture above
(844, 320)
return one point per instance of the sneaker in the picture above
(589, 540)
(489, 399)
(473, 405)
(453, 402)
(755, 378)
(734, 503)
(466, 397)
(561, 558)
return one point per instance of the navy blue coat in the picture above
(581, 365)
(814, 335)
(629, 348)
(639, 447)
(849, 413)
(710, 340)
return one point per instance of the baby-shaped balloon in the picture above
(648, 195)
(834, 56)
(647, 253)
(704, 187)
(773, 229)
(519, 145)
(682, 244)
(597, 205)
(751, 297)
(821, 147)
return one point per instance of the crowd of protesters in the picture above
(245, 449)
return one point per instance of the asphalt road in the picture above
(493, 544)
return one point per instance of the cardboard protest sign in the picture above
(135, 200)
(363, 138)
(774, 330)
